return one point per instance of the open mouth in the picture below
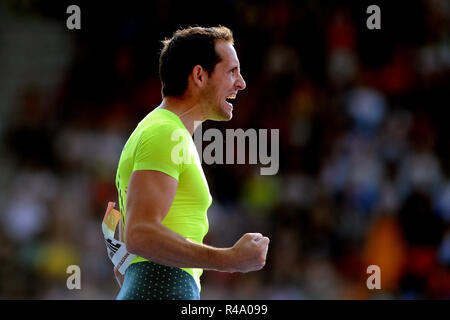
(230, 98)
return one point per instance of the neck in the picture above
(188, 111)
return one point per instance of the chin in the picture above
(227, 112)
(227, 116)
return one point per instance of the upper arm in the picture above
(154, 178)
(149, 197)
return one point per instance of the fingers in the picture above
(257, 238)
(254, 236)
(263, 241)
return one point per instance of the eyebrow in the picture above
(234, 66)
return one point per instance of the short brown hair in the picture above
(187, 48)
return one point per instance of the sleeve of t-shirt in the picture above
(162, 147)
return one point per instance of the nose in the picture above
(240, 83)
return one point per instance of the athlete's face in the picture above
(223, 83)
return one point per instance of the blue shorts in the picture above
(151, 281)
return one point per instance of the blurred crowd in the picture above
(364, 173)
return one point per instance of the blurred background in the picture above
(364, 144)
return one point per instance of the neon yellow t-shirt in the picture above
(161, 142)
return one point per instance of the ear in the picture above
(199, 76)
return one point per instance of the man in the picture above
(164, 200)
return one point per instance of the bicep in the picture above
(149, 197)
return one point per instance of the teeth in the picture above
(231, 96)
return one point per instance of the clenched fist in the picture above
(249, 253)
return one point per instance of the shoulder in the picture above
(165, 131)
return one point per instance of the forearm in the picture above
(159, 244)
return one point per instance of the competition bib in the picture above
(117, 251)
